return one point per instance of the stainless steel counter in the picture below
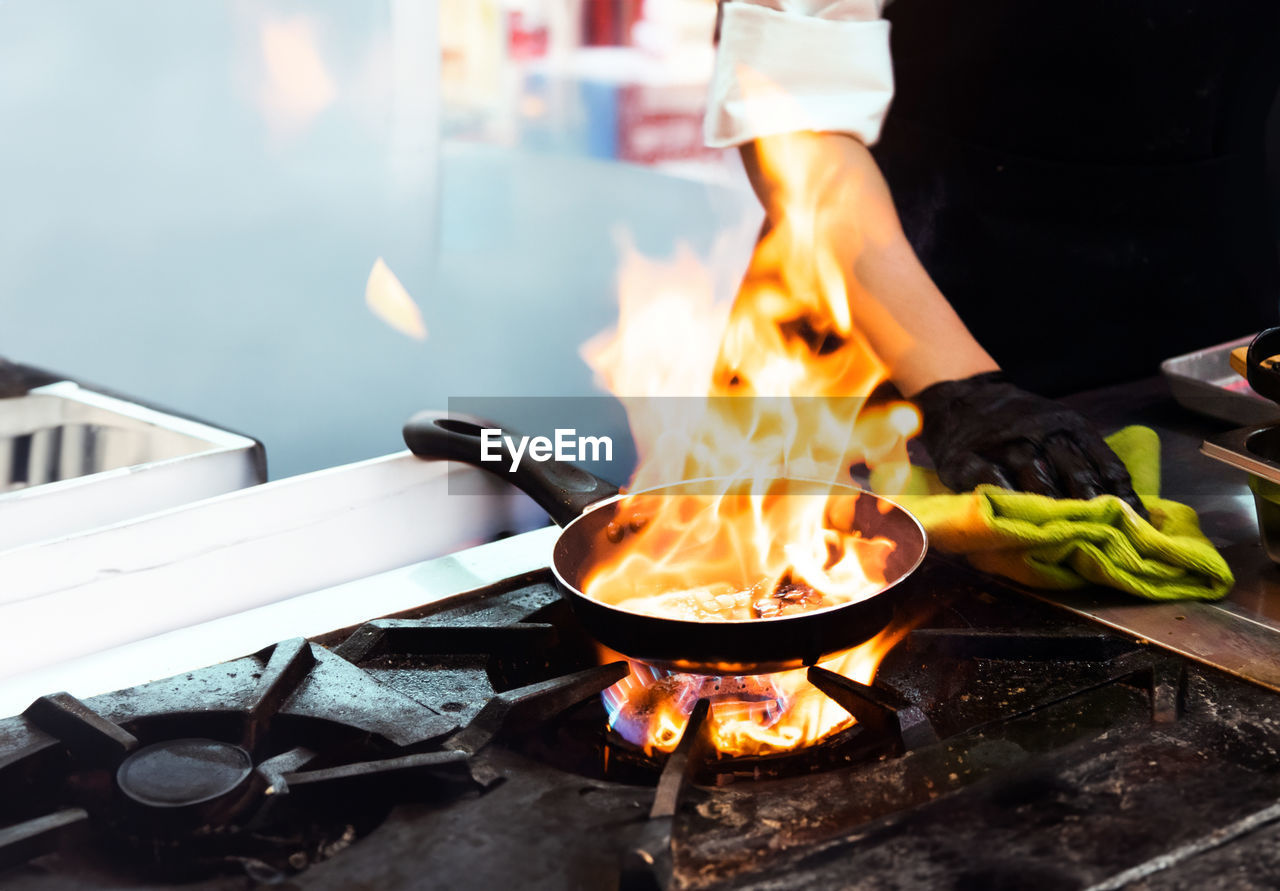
(1241, 634)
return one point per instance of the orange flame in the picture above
(749, 716)
(296, 86)
(786, 402)
(778, 385)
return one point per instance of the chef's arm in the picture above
(803, 86)
(893, 301)
(825, 192)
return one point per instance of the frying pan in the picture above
(584, 505)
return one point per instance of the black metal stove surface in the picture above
(1004, 744)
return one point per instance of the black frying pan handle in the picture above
(561, 489)
(1263, 378)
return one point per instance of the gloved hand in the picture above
(983, 429)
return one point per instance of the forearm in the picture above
(892, 300)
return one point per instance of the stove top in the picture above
(464, 744)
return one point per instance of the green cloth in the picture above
(1045, 542)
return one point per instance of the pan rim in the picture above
(721, 623)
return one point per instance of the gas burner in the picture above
(580, 741)
(184, 775)
(179, 809)
(187, 806)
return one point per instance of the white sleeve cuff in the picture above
(778, 72)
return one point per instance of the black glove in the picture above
(983, 429)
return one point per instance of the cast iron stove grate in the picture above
(465, 745)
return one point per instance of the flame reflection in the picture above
(296, 86)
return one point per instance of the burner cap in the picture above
(183, 772)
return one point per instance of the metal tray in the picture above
(1204, 383)
(73, 459)
(1255, 450)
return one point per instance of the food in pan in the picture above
(693, 568)
(724, 603)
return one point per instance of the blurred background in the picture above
(194, 196)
